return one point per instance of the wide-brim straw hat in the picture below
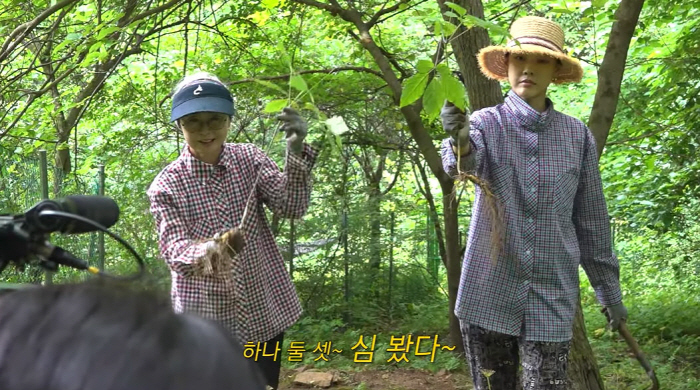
(531, 34)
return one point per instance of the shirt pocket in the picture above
(564, 193)
(502, 185)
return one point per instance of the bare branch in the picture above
(399, 169)
(312, 71)
(402, 11)
(24, 29)
(152, 11)
(384, 11)
(334, 8)
(287, 76)
(514, 7)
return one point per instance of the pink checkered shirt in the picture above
(192, 201)
(544, 169)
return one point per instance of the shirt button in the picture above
(527, 252)
(533, 159)
(529, 220)
(533, 189)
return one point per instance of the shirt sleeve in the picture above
(471, 161)
(176, 246)
(590, 216)
(288, 192)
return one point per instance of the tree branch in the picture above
(151, 11)
(410, 7)
(24, 29)
(334, 9)
(612, 69)
(312, 71)
(399, 167)
(384, 11)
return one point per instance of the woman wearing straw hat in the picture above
(213, 232)
(542, 166)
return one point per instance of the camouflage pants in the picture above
(493, 358)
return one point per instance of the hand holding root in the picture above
(233, 241)
(221, 253)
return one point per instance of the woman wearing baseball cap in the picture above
(208, 205)
(542, 165)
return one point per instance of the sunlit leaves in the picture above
(276, 105)
(270, 85)
(413, 88)
(460, 11)
(442, 86)
(297, 82)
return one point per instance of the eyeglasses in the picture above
(195, 123)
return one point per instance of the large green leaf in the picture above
(413, 88)
(275, 105)
(297, 82)
(424, 66)
(433, 98)
(271, 85)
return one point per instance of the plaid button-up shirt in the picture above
(191, 201)
(543, 167)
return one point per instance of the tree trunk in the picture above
(375, 225)
(482, 92)
(584, 372)
(611, 70)
(583, 368)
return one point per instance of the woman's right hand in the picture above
(221, 252)
(234, 241)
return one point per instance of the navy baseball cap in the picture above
(202, 96)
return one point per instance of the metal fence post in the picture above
(101, 235)
(43, 167)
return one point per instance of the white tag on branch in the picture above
(337, 125)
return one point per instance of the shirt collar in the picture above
(530, 118)
(199, 169)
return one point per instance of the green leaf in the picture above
(438, 28)
(339, 142)
(61, 45)
(298, 83)
(433, 98)
(457, 8)
(270, 85)
(471, 20)
(444, 70)
(424, 66)
(106, 31)
(284, 55)
(275, 105)
(454, 90)
(312, 107)
(448, 28)
(451, 14)
(413, 88)
(650, 162)
(269, 4)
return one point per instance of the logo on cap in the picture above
(198, 90)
